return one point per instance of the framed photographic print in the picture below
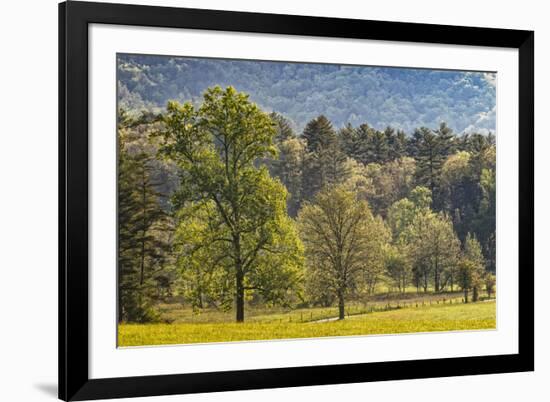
(258, 201)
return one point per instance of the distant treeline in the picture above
(355, 94)
(223, 205)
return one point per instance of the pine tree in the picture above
(447, 140)
(349, 141)
(324, 163)
(283, 128)
(363, 148)
(142, 229)
(429, 161)
(378, 147)
(397, 143)
(319, 134)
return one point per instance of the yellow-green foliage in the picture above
(437, 317)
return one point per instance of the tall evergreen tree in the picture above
(363, 148)
(429, 161)
(378, 149)
(397, 143)
(283, 128)
(325, 163)
(319, 134)
(349, 141)
(142, 229)
(447, 140)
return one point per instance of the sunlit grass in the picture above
(427, 318)
(176, 313)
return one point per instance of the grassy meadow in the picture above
(411, 315)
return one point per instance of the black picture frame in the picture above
(74, 381)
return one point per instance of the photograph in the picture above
(262, 200)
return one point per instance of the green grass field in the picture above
(261, 325)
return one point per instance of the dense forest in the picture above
(402, 98)
(225, 205)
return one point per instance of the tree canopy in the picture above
(243, 227)
(227, 205)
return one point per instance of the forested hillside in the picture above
(399, 97)
(226, 205)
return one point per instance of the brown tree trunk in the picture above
(142, 263)
(341, 306)
(240, 298)
(475, 295)
(239, 279)
(142, 268)
(119, 310)
(465, 295)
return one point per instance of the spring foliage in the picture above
(226, 206)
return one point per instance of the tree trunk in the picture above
(201, 304)
(119, 310)
(142, 263)
(142, 268)
(341, 306)
(465, 295)
(240, 297)
(475, 296)
(239, 279)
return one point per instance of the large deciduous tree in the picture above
(342, 241)
(434, 248)
(473, 253)
(398, 267)
(245, 227)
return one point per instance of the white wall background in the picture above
(28, 198)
